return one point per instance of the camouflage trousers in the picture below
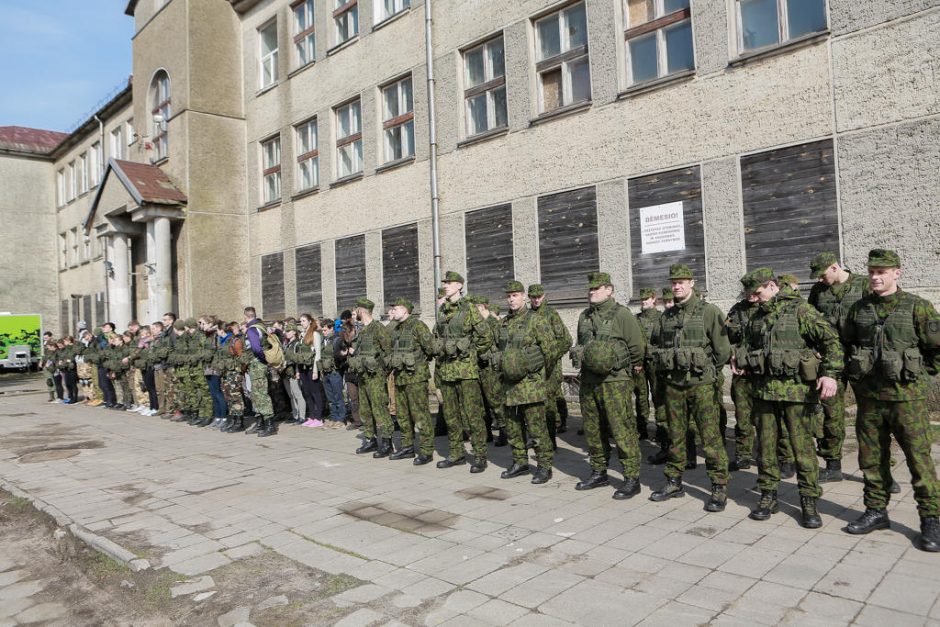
(170, 400)
(607, 411)
(373, 406)
(797, 419)
(232, 390)
(414, 415)
(907, 421)
(257, 375)
(830, 441)
(123, 381)
(137, 387)
(744, 429)
(529, 418)
(463, 411)
(641, 394)
(685, 406)
(492, 388)
(196, 390)
(658, 392)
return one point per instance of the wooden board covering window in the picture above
(64, 317)
(568, 243)
(400, 264)
(790, 211)
(652, 270)
(490, 263)
(272, 286)
(309, 280)
(350, 271)
(86, 310)
(99, 310)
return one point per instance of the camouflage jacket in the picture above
(532, 333)
(816, 350)
(459, 336)
(624, 330)
(690, 345)
(562, 338)
(65, 357)
(921, 353)
(412, 348)
(490, 359)
(835, 301)
(738, 317)
(372, 347)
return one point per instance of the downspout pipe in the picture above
(432, 140)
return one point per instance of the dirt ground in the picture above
(96, 590)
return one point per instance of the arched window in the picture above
(160, 101)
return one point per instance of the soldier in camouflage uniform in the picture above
(669, 300)
(556, 422)
(644, 383)
(203, 350)
(367, 358)
(460, 335)
(834, 293)
(255, 366)
(175, 392)
(610, 348)
(230, 371)
(741, 387)
(688, 348)
(412, 348)
(894, 348)
(527, 344)
(792, 355)
(490, 383)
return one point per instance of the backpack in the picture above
(271, 346)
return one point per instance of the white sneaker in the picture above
(132, 408)
(152, 412)
(142, 410)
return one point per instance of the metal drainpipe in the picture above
(432, 140)
(107, 303)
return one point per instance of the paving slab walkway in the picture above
(487, 551)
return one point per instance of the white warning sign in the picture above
(662, 228)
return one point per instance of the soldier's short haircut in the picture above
(250, 311)
(108, 324)
(171, 315)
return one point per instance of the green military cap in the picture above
(883, 258)
(536, 289)
(291, 327)
(365, 303)
(759, 276)
(179, 325)
(788, 279)
(514, 286)
(647, 292)
(401, 301)
(191, 323)
(667, 294)
(450, 275)
(821, 263)
(598, 279)
(679, 271)
(747, 282)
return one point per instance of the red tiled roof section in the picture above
(151, 183)
(33, 140)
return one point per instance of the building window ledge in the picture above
(346, 179)
(342, 46)
(397, 163)
(561, 112)
(390, 19)
(269, 205)
(303, 67)
(659, 83)
(482, 137)
(772, 51)
(310, 191)
(267, 88)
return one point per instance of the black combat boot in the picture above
(406, 452)
(516, 470)
(691, 453)
(811, 519)
(642, 429)
(205, 422)
(422, 459)
(478, 465)
(270, 428)
(718, 500)
(217, 422)
(787, 470)
(832, 472)
(871, 520)
(384, 448)
(929, 534)
(450, 463)
(739, 463)
(225, 424)
(596, 480)
(562, 425)
(368, 446)
(672, 489)
(629, 489)
(500, 439)
(768, 505)
(256, 426)
(541, 475)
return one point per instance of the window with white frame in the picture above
(308, 155)
(117, 143)
(305, 32)
(271, 169)
(161, 111)
(86, 245)
(60, 187)
(267, 60)
(348, 139)
(72, 182)
(564, 76)
(82, 174)
(94, 164)
(75, 255)
(345, 19)
(63, 251)
(763, 23)
(130, 135)
(398, 120)
(385, 9)
(485, 86)
(658, 36)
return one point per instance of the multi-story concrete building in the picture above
(284, 155)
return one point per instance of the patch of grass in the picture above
(19, 503)
(99, 566)
(333, 547)
(334, 584)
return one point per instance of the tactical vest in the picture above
(406, 353)
(327, 362)
(520, 355)
(777, 348)
(886, 346)
(602, 353)
(366, 358)
(453, 334)
(835, 308)
(683, 344)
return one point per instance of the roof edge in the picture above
(122, 98)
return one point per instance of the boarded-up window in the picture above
(309, 280)
(64, 317)
(568, 242)
(789, 207)
(272, 285)
(86, 310)
(655, 241)
(350, 271)
(489, 251)
(99, 310)
(76, 314)
(400, 264)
